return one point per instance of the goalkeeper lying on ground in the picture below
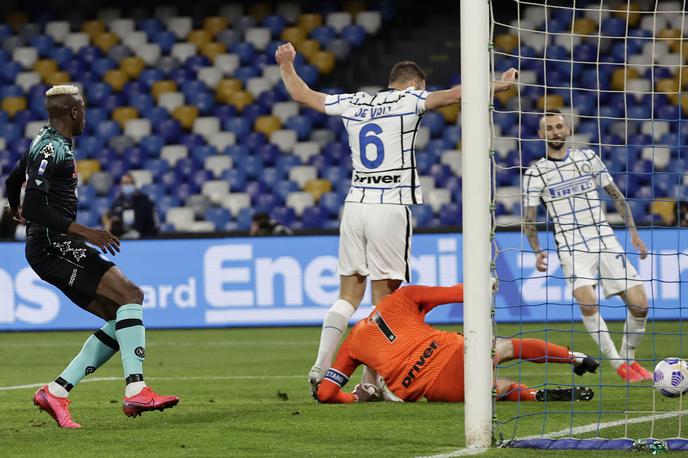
(418, 361)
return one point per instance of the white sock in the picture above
(334, 326)
(634, 331)
(599, 332)
(578, 356)
(57, 390)
(134, 388)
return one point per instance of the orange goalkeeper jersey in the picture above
(395, 341)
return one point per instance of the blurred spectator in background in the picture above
(262, 224)
(132, 214)
(682, 213)
(12, 227)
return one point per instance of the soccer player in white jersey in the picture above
(566, 181)
(375, 231)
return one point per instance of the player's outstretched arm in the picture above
(330, 388)
(530, 229)
(297, 88)
(444, 98)
(624, 210)
(429, 297)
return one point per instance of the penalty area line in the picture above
(115, 379)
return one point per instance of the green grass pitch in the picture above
(243, 393)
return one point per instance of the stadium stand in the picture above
(195, 108)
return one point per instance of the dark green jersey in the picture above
(51, 168)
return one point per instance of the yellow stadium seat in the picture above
(16, 20)
(162, 86)
(324, 61)
(87, 167)
(260, 10)
(186, 115)
(550, 101)
(684, 103)
(506, 42)
(225, 89)
(620, 75)
(665, 209)
(57, 78)
(124, 114)
(240, 100)
(584, 26)
(45, 67)
(317, 187)
(308, 48)
(93, 28)
(630, 14)
(507, 95)
(451, 113)
(212, 50)
(215, 24)
(669, 86)
(672, 37)
(267, 124)
(132, 66)
(116, 78)
(199, 37)
(354, 7)
(294, 35)
(12, 105)
(105, 41)
(307, 22)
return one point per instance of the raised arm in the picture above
(446, 97)
(429, 297)
(296, 87)
(624, 210)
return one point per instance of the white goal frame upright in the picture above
(475, 161)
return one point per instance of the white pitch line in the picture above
(609, 424)
(570, 432)
(177, 344)
(114, 379)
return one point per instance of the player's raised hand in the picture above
(541, 261)
(639, 245)
(285, 54)
(507, 81)
(366, 392)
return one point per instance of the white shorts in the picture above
(375, 241)
(608, 266)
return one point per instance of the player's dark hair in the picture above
(552, 112)
(406, 71)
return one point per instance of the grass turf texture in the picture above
(243, 392)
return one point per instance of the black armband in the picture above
(36, 209)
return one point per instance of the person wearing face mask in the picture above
(132, 214)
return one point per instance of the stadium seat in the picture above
(215, 190)
(26, 56)
(186, 115)
(284, 110)
(206, 126)
(338, 20)
(294, 35)
(317, 187)
(235, 202)
(285, 139)
(13, 105)
(137, 128)
(299, 201)
(313, 218)
(32, 129)
(218, 164)
(452, 158)
(259, 37)
(240, 99)
(210, 76)
(306, 150)
(173, 153)
(101, 182)
(227, 63)
(76, 41)
(437, 198)
(267, 125)
(324, 61)
(660, 156)
(180, 217)
(257, 86)
(57, 30)
(87, 167)
(369, 20)
(302, 174)
(289, 11)
(221, 140)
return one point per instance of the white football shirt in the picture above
(382, 131)
(568, 188)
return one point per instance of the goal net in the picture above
(613, 71)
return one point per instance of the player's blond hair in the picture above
(62, 89)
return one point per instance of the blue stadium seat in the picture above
(252, 111)
(164, 39)
(283, 187)
(266, 202)
(283, 215)
(324, 34)
(354, 35)
(86, 196)
(308, 73)
(224, 112)
(170, 130)
(450, 214)
(276, 24)
(200, 153)
(235, 178)
(152, 144)
(331, 203)
(314, 218)
(88, 218)
(302, 125)
(158, 167)
(192, 141)
(245, 51)
(255, 140)
(241, 127)
(218, 216)
(422, 214)
(154, 191)
(134, 158)
(269, 154)
(244, 218)
(89, 145)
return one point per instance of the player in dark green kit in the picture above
(57, 251)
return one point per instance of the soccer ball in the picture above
(671, 377)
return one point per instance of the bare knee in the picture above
(135, 295)
(504, 349)
(585, 296)
(636, 301)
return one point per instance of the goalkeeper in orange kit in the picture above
(418, 361)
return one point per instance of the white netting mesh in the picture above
(616, 72)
